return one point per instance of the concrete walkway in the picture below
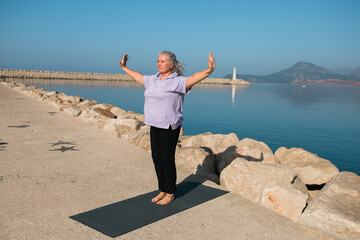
(53, 166)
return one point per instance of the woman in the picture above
(164, 97)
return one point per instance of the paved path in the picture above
(52, 167)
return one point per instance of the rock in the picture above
(118, 112)
(122, 129)
(145, 128)
(140, 117)
(248, 149)
(134, 124)
(104, 112)
(86, 104)
(114, 127)
(312, 169)
(216, 142)
(38, 94)
(313, 193)
(104, 106)
(110, 127)
(298, 184)
(92, 117)
(49, 98)
(181, 132)
(51, 93)
(249, 178)
(134, 137)
(198, 161)
(84, 116)
(336, 208)
(283, 199)
(91, 113)
(73, 110)
(145, 143)
(98, 122)
(56, 103)
(136, 116)
(72, 99)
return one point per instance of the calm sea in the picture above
(321, 119)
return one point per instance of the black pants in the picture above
(163, 146)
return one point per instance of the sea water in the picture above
(324, 120)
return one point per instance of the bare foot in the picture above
(168, 198)
(158, 197)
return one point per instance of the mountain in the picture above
(305, 73)
(342, 71)
(355, 73)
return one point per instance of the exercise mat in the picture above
(125, 216)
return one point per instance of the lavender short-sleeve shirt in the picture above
(164, 100)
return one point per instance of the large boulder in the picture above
(248, 149)
(118, 127)
(91, 115)
(104, 106)
(47, 98)
(104, 112)
(249, 178)
(118, 112)
(73, 99)
(336, 208)
(216, 142)
(283, 199)
(145, 143)
(312, 169)
(135, 136)
(86, 104)
(134, 124)
(198, 161)
(100, 121)
(59, 104)
(74, 111)
(132, 115)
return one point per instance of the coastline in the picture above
(43, 187)
(128, 127)
(38, 74)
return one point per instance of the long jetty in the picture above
(38, 74)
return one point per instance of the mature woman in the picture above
(164, 97)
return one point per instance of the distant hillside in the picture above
(303, 72)
(355, 73)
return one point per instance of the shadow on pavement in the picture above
(125, 216)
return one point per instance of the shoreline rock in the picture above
(336, 209)
(311, 168)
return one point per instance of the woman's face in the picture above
(163, 64)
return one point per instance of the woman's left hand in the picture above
(211, 62)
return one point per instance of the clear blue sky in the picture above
(256, 37)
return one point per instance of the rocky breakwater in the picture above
(292, 182)
(36, 74)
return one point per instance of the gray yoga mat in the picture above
(125, 216)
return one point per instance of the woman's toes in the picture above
(158, 197)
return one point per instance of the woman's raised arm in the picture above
(198, 76)
(134, 75)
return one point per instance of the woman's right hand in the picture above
(123, 61)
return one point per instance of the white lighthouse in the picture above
(234, 74)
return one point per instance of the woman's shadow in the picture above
(130, 214)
